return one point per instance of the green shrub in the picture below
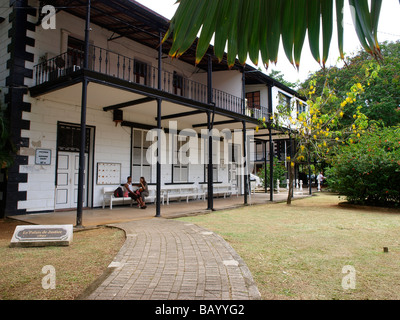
(368, 172)
(279, 173)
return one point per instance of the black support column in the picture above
(210, 122)
(271, 146)
(245, 164)
(83, 124)
(158, 178)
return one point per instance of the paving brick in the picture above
(165, 259)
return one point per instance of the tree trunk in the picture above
(290, 193)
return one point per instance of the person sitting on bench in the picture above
(134, 194)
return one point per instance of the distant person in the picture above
(321, 178)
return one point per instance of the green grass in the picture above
(298, 251)
(76, 266)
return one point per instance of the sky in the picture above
(388, 30)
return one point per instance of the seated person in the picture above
(144, 192)
(134, 194)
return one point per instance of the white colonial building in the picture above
(102, 68)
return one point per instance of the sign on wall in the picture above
(43, 156)
(108, 173)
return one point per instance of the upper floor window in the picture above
(140, 71)
(253, 99)
(178, 84)
(301, 107)
(284, 100)
(76, 52)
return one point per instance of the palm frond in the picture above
(249, 28)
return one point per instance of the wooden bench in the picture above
(179, 192)
(108, 196)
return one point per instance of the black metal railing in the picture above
(122, 67)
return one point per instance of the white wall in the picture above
(112, 144)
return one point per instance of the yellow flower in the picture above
(354, 116)
(337, 139)
(263, 119)
(257, 129)
(341, 114)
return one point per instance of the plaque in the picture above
(43, 156)
(42, 235)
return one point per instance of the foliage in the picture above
(251, 28)
(279, 173)
(277, 75)
(319, 131)
(381, 100)
(368, 172)
(7, 148)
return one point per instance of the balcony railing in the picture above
(122, 67)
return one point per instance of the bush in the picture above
(368, 172)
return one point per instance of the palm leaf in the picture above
(249, 27)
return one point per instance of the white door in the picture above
(67, 180)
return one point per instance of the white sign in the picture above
(42, 235)
(43, 156)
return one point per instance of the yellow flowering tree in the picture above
(317, 132)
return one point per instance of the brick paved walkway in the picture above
(174, 260)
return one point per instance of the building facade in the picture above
(101, 70)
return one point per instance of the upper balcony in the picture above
(113, 64)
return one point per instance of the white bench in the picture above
(224, 189)
(108, 196)
(153, 195)
(181, 191)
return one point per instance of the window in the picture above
(69, 138)
(178, 84)
(141, 168)
(284, 100)
(301, 107)
(215, 160)
(253, 99)
(180, 171)
(140, 71)
(76, 52)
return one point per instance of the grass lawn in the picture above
(76, 266)
(299, 251)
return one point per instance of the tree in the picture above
(277, 75)
(251, 27)
(381, 102)
(319, 133)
